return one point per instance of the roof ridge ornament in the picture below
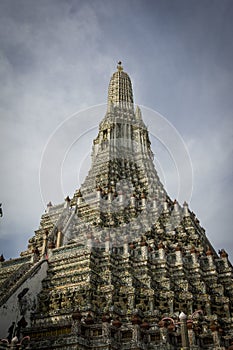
(119, 66)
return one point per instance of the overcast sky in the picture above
(56, 58)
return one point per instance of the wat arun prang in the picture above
(120, 265)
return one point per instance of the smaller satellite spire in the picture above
(119, 66)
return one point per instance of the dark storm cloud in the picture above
(56, 57)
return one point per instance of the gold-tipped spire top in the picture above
(119, 66)
(120, 87)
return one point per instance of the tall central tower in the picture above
(119, 265)
(122, 195)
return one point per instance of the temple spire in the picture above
(120, 87)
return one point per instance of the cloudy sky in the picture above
(56, 59)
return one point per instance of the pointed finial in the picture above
(119, 66)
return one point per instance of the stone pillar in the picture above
(154, 204)
(224, 256)
(2, 259)
(121, 197)
(185, 209)
(109, 134)
(209, 254)
(207, 308)
(67, 202)
(165, 205)
(59, 238)
(106, 329)
(144, 250)
(143, 197)
(126, 247)
(163, 332)
(226, 309)
(191, 333)
(184, 331)
(179, 260)
(110, 194)
(49, 206)
(76, 324)
(107, 244)
(193, 253)
(214, 327)
(98, 193)
(171, 304)
(132, 200)
(136, 333)
(161, 251)
(79, 197)
(36, 255)
(175, 206)
(114, 137)
(131, 300)
(151, 303)
(89, 241)
(45, 242)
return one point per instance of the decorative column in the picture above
(144, 249)
(98, 193)
(45, 241)
(107, 244)
(2, 259)
(209, 254)
(161, 251)
(163, 332)
(165, 206)
(49, 206)
(154, 204)
(121, 198)
(193, 253)
(184, 331)
(67, 202)
(59, 238)
(36, 255)
(132, 200)
(76, 325)
(143, 197)
(126, 246)
(214, 328)
(110, 194)
(175, 207)
(224, 256)
(151, 303)
(79, 197)
(179, 260)
(171, 303)
(89, 241)
(136, 321)
(117, 324)
(191, 333)
(106, 329)
(185, 209)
